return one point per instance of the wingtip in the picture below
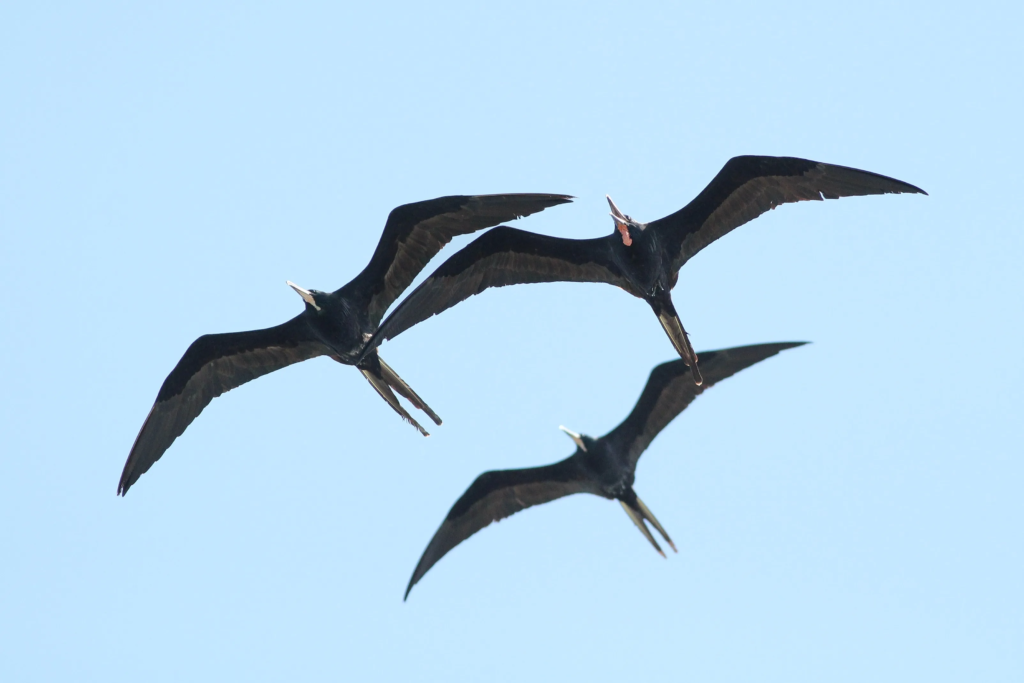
(774, 347)
(557, 200)
(906, 188)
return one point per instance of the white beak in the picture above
(304, 293)
(575, 437)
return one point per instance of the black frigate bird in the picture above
(336, 324)
(604, 467)
(642, 258)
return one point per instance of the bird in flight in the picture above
(604, 466)
(336, 324)
(641, 258)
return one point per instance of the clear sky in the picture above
(847, 511)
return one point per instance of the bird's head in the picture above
(583, 442)
(628, 227)
(314, 298)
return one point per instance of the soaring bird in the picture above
(642, 258)
(604, 467)
(336, 324)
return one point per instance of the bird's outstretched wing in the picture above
(748, 186)
(494, 496)
(213, 364)
(503, 256)
(414, 233)
(670, 389)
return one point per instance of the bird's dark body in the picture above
(337, 324)
(643, 263)
(605, 466)
(341, 324)
(647, 263)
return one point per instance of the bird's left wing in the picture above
(748, 186)
(494, 496)
(414, 233)
(670, 389)
(212, 365)
(500, 257)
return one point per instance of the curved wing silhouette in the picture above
(212, 365)
(669, 390)
(500, 257)
(494, 496)
(748, 186)
(414, 233)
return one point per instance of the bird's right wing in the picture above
(213, 364)
(503, 256)
(670, 389)
(494, 496)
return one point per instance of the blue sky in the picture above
(847, 511)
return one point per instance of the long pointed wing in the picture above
(748, 186)
(213, 364)
(414, 233)
(494, 496)
(670, 389)
(500, 257)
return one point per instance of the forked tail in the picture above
(403, 389)
(638, 512)
(673, 327)
(373, 371)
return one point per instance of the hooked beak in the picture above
(616, 214)
(577, 439)
(621, 221)
(304, 293)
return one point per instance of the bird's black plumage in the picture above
(643, 259)
(604, 467)
(336, 324)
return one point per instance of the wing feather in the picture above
(670, 389)
(414, 233)
(494, 496)
(212, 365)
(500, 257)
(748, 186)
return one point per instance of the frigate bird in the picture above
(336, 324)
(604, 467)
(642, 258)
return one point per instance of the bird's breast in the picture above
(612, 476)
(342, 332)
